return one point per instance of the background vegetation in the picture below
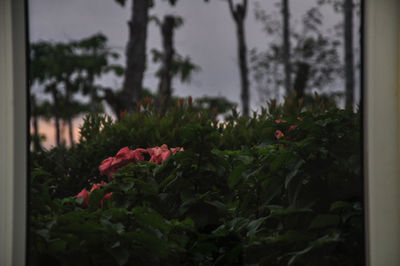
(240, 194)
(278, 186)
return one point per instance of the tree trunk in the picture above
(300, 82)
(114, 101)
(244, 72)
(68, 101)
(286, 46)
(57, 123)
(135, 55)
(349, 56)
(36, 137)
(70, 132)
(239, 15)
(164, 90)
(93, 94)
(34, 115)
(56, 117)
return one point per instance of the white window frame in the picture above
(381, 127)
(13, 133)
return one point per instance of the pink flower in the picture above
(85, 195)
(122, 114)
(175, 150)
(97, 186)
(106, 197)
(137, 155)
(122, 158)
(279, 121)
(165, 155)
(278, 134)
(299, 118)
(215, 111)
(105, 166)
(292, 127)
(159, 154)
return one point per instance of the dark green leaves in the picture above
(235, 196)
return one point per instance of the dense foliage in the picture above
(280, 188)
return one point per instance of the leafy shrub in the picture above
(236, 195)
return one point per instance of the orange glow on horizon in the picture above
(47, 129)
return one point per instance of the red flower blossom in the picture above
(137, 155)
(299, 118)
(105, 167)
(97, 186)
(122, 158)
(292, 127)
(85, 195)
(174, 150)
(279, 121)
(106, 197)
(215, 111)
(122, 114)
(190, 101)
(278, 134)
(181, 102)
(160, 154)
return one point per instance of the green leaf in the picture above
(57, 245)
(148, 217)
(340, 205)
(95, 198)
(325, 220)
(277, 210)
(291, 236)
(254, 225)
(121, 255)
(44, 233)
(293, 173)
(236, 175)
(280, 161)
(38, 172)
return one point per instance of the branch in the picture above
(245, 6)
(231, 8)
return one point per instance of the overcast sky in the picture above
(207, 36)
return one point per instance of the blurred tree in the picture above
(286, 45)
(135, 54)
(219, 105)
(172, 64)
(238, 13)
(113, 99)
(64, 69)
(132, 89)
(37, 110)
(94, 61)
(347, 8)
(164, 88)
(315, 62)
